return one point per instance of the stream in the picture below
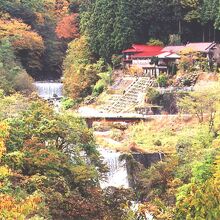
(118, 174)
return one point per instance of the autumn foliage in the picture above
(67, 28)
(21, 35)
(27, 43)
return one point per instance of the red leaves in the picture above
(67, 28)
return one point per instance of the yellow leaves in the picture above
(11, 209)
(217, 171)
(4, 172)
(3, 135)
(191, 60)
(135, 70)
(21, 34)
(187, 51)
(12, 27)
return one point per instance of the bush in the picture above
(162, 80)
(155, 42)
(24, 83)
(153, 96)
(187, 82)
(103, 82)
(116, 134)
(116, 60)
(99, 87)
(157, 143)
(67, 103)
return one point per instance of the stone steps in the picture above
(122, 103)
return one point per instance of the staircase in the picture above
(132, 96)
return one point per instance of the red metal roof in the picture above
(141, 50)
(147, 54)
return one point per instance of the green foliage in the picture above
(77, 53)
(111, 26)
(81, 77)
(153, 96)
(13, 76)
(186, 181)
(200, 103)
(116, 60)
(103, 82)
(44, 154)
(174, 39)
(162, 80)
(200, 197)
(67, 103)
(155, 42)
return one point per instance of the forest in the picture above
(50, 165)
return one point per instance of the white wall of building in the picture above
(142, 63)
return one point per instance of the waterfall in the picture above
(160, 156)
(117, 175)
(49, 90)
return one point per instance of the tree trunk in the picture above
(180, 28)
(203, 34)
(209, 32)
(214, 33)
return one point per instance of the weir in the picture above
(48, 90)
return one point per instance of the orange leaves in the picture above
(67, 28)
(21, 35)
(29, 40)
(10, 208)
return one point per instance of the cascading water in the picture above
(48, 90)
(117, 175)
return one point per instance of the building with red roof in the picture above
(141, 51)
(141, 55)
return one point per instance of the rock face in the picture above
(216, 55)
(121, 174)
(147, 159)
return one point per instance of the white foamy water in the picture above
(49, 90)
(117, 175)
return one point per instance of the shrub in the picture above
(174, 39)
(99, 87)
(157, 143)
(116, 60)
(103, 82)
(67, 103)
(135, 70)
(187, 82)
(155, 42)
(24, 83)
(153, 96)
(162, 80)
